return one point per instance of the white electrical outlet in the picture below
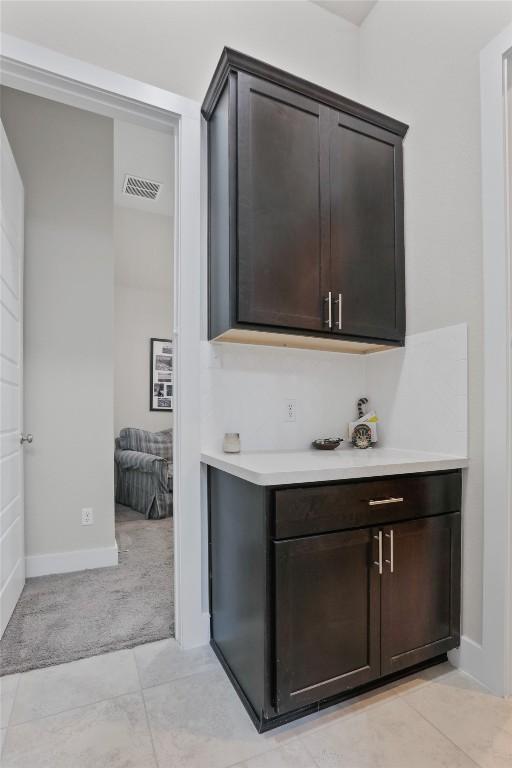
(87, 516)
(290, 410)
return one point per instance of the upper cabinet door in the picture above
(283, 208)
(367, 243)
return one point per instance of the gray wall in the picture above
(65, 160)
(420, 62)
(143, 248)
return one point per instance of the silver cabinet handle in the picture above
(379, 561)
(339, 302)
(328, 299)
(391, 500)
(391, 561)
(26, 438)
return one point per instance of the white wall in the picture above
(143, 246)
(65, 160)
(176, 45)
(420, 62)
(149, 154)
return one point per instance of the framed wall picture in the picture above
(161, 375)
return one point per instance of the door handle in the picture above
(391, 561)
(26, 438)
(339, 302)
(379, 561)
(391, 500)
(328, 299)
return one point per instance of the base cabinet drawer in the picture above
(353, 504)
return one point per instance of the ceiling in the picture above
(148, 154)
(355, 11)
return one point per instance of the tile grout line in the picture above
(308, 752)
(158, 685)
(350, 715)
(179, 677)
(97, 655)
(95, 701)
(73, 709)
(316, 729)
(16, 688)
(347, 717)
(274, 748)
(148, 724)
(435, 727)
(140, 690)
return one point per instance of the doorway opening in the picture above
(144, 367)
(98, 280)
(37, 70)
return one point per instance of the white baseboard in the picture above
(206, 627)
(76, 560)
(469, 658)
(200, 637)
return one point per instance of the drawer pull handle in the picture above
(391, 500)
(391, 561)
(339, 302)
(328, 299)
(379, 561)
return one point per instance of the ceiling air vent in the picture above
(137, 187)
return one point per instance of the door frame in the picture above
(495, 664)
(43, 72)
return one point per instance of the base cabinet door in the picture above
(420, 591)
(327, 616)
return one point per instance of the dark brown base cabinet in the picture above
(320, 591)
(305, 211)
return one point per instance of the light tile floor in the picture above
(158, 707)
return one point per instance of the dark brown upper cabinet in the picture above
(306, 243)
(366, 236)
(282, 206)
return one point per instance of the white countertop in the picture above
(312, 466)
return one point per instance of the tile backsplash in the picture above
(245, 389)
(419, 393)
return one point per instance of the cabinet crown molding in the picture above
(234, 61)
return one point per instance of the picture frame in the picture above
(161, 375)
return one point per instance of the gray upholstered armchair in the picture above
(144, 471)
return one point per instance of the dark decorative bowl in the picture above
(327, 443)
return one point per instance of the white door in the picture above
(12, 546)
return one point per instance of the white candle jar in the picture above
(231, 442)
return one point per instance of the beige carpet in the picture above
(73, 615)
